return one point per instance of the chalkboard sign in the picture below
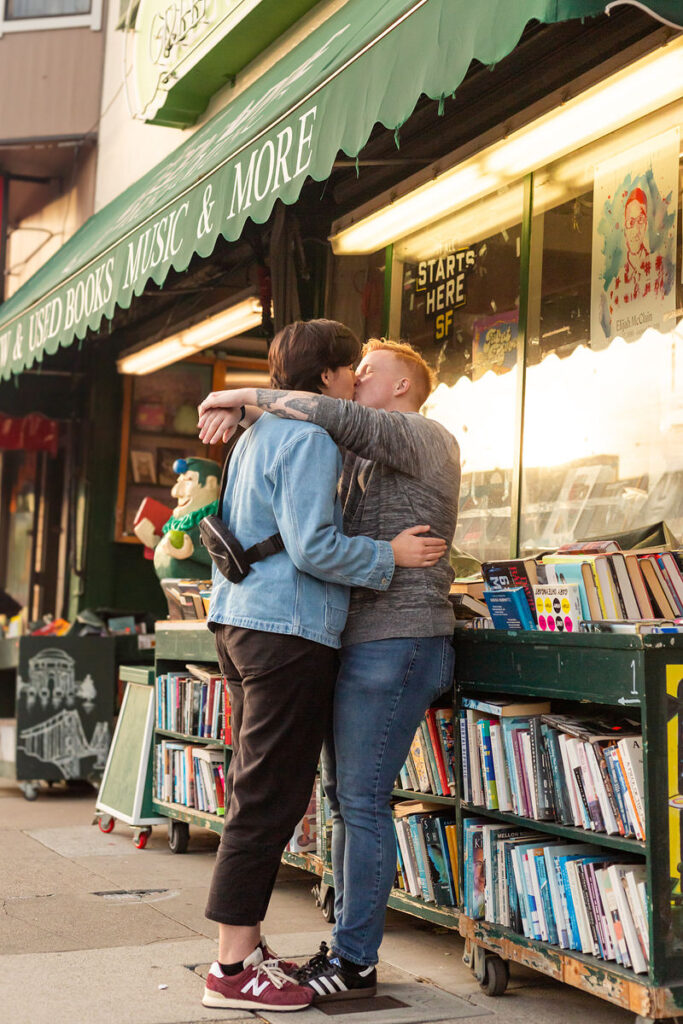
(126, 789)
(64, 706)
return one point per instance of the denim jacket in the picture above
(283, 477)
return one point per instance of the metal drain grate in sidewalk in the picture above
(370, 1005)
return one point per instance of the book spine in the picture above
(464, 758)
(491, 790)
(444, 724)
(429, 760)
(599, 752)
(438, 755)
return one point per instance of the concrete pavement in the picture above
(94, 930)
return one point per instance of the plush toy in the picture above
(178, 551)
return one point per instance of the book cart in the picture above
(641, 674)
(177, 643)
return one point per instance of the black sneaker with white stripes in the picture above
(331, 979)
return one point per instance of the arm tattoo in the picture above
(293, 405)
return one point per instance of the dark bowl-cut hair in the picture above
(301, 351)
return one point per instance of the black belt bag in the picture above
(227, 554)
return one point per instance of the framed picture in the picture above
(142, 467)
(165, 459)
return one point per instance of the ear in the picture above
(402, 386)
(326, 376)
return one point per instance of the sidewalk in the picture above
(94, 930)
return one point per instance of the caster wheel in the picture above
(327, 907)
(496, 976)
(106, 823)
(178, 836)
(30, 790)
(140, 840)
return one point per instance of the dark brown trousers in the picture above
(281, 689)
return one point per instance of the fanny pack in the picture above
(227, 554)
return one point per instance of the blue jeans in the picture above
(383, 689)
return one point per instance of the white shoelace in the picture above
(273, 971)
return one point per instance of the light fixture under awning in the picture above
(367, 63)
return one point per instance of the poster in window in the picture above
(635, 205)
(494, 343)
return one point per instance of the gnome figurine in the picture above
(179, 552)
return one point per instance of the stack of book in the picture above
(427, 853)
(586, 773)
(430, 765)
(187, 599)
(592, 584)
(572, 895)
(192, 703)
(191, 776)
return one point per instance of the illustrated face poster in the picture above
(634, 242)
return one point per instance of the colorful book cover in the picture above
(436, 863)
(509, 609)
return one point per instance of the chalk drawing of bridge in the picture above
(61, 741)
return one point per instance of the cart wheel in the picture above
(178, 836)
(496, 975)
(327, 907)
(30, 790)
(106, 823)
(140, 840)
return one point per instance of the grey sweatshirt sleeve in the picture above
(407, 442)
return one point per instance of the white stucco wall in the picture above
(128, 147)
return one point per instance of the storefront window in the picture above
(603, 426)
(19, 471)
(455, 296)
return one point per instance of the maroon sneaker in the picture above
(262, 985)
(288, 966)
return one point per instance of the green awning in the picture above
(367, 63)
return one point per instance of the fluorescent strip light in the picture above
(638, 90)
(231, 321)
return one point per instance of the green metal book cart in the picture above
(645, 675)
(178, 643)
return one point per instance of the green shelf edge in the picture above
(635, 846)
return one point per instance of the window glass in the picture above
(455, 297)
(15, 9)
(603, 427)
(21, 469)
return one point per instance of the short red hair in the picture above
(421, 374)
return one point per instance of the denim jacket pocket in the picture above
(336, 607)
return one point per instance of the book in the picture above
(503, 707)
(466, 606)
(567, 572)
(418, 756)
(558, 607)
(509, 608)
(512, 572)
(668, 562)
(630, 753)
(430, 718)
(670, 582)
(444, 723)
(436, 863)
(157, 516)
(589, 567)
(588, 547)
(626, 591)
(661, 603)
(645, 609)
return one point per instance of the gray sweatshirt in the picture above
(400, 470)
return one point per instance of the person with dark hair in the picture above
(397, 654)
(277, 635)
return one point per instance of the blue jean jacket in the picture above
(283, 478)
